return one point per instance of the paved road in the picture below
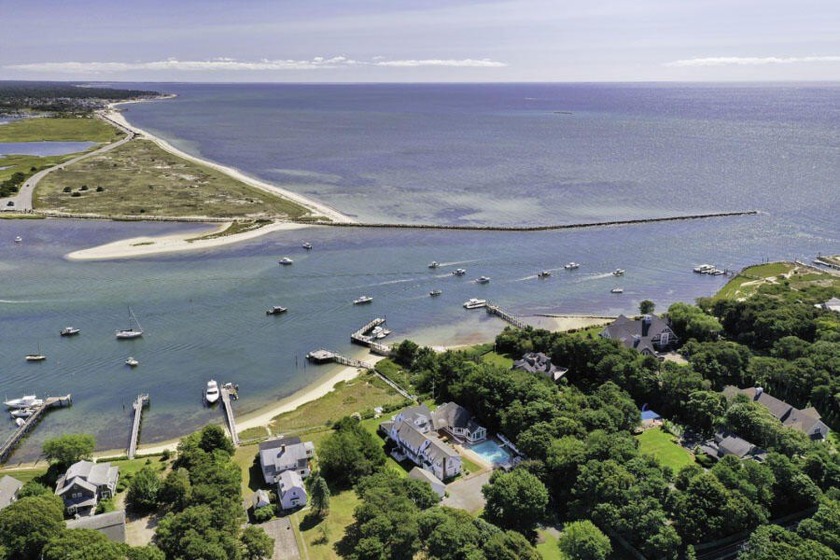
(23, 200)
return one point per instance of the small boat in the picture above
(133, 331)
(543, 274)
(69, 331)
(275, 310)
(22, 413)
(617, 291)
(307, 245)
(703, 268)
(26, 401)
(474, 303)
(211, 393)
(435, 293)
(18, 239)
(434, 264)
(37, 357)
(571, 266)
(618, 272)
(459, 271)
(286, 261)
(379, 333)
(482, 280)
(362, 299)
(131, 362)
(20, 422)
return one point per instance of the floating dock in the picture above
(31, 422)
(494, 309)
(140, 402)
(361, 337)
(228, 410)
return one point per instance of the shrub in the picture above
(83, 188)
(99, 189)
(76, 194)
(67, 189)
(263, 514)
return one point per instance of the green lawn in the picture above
(320, 536)
(663, 447)
(495, 359)
(547, 546)
(59, 130)
(24, 475)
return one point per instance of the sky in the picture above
(420, 41)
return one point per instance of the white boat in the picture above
(285, 261)
(379, 333)
(482, 280)
(703, 268)
(18, 239)
(434, 264)
(69, 331)
(434, 293)
(131, 362)
(474, 303)
(26, 401)
(37, 357)
(22, 413)
(133, 331)
(211, 393)
(275, 310)
(307, 245)
(20, 422)
(362, 299)
(459, 271)
(571, 266)
(617, 291)
(618, 272)
(543, 274)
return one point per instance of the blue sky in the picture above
(433, 40)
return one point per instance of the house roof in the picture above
(638, 333)
(807, 420)
(732, 445)
(409, 434)
(535, 362)
(279, 442)
(111, 524)
(74, 482)
(281, 453)
(98, 474)
(288, 480)
(438, 450)
(9, 488)
(422, 474)
(417, 413)
(453, 415)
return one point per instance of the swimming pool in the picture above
(492, 452)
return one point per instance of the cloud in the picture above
(230, 64)
(750, 60)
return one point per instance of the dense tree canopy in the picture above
(67, 449)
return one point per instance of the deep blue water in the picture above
(483, 154)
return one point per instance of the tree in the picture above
(213, 437)
(405, 353)
(349, 453)
(69, 448)
(515, 500)
(824, 526)
(256, 544)
(28, 524)
(82, 544)
(175, 491)
(771, 542)
(143, 490)
(319, 495)
(646, 307)
(582, 540)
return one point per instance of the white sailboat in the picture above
(133, 331)
(37, 357)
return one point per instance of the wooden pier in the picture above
(50, 402)
(140, 402)
(361, 337)
(494, 309)
(323, 356)
(228, 410)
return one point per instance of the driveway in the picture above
(285, 545)
(466, 493)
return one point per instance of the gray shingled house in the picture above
(9, 488)
(285, 454)
(111, 524)
(649, 334)
(537, 362)
(807, 420)
(84, 484)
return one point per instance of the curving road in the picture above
(22, 201)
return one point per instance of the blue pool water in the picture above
(491, 452)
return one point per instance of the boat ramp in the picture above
(30, 423)
(362, 337)
(140, 402)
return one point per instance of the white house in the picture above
(290, 490)
(458, 422)
(412, 431)
(285, 454)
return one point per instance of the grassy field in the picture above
(663, 447)
(752, 279)
(547, 546)
(497, 360)
(320, 537)
(59, 130)
(139, 178)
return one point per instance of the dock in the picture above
(494, 309)
(323, 356)
(13, 440)
(140, 402)
(228, 410)
(361, 337)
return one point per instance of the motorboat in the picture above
(434, 264)
(18, 239)
(26, 401)
(22, 412)
(362, 299)
(482, 280)
(131, 362)
(474, 303)
(544, 274)
(286, 261)
(20, 422)
(571, 266)
(703, 268)
(307, 245)
(133, 331)
(617, 291)
(618, 272)
(275, 310)
(435, 293)
(69, 331)
(211, 393)
(379, 333)
(459, 271)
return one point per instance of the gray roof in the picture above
(422, 474)
(808, 420)
(279, 442)
(536, 362)
(640, 334)
(732, 445)
(409, 434)
(111, 524)
(283, 453)
(288, 480)
(9, 488)
(455, 416)
(98, 474)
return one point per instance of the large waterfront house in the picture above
(412, 431)
(457, 421)
(84, 484)
(9, 488)
(807, 420)
(290, 490)
(537, 362)
(648, 335)
(283, 454)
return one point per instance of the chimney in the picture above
(646, 320)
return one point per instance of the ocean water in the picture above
(43, 148)
(376, 151)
